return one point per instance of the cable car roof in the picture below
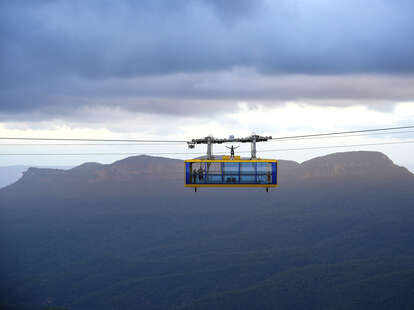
(228, 158)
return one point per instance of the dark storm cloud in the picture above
(99, 39)
(63, 53)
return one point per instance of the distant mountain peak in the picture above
(87, 166)
(143, 159)
(358, 156)
(358, 164)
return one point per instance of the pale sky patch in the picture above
(292, 118)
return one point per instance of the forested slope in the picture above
(334, 235)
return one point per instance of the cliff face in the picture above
(146, 175)
(356, 167)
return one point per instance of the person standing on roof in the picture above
(232, 148)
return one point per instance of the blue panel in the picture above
(248, 179)
(261, 167)
(231, 167)
(239, 172)
(255, 173)
(187, 173)
(231, 173)
(261, 178)
(274, 173)
(222, 173)
(205, 172)
(214, 179)
(248, 173)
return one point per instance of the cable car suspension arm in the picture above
(210, 140)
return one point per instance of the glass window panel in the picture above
(261, 167)
(231, 173)
(231, 168)
(214, 168)
(264, 167)
(264, 178)
(231, 179)
(198, 173)
(248, 179)
(248, 172)
(214, 179)
(261, 179)
(249, 167)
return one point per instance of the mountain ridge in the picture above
(353, 167)
(145, 175)
(359, 164)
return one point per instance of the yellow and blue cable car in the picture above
(230, 171)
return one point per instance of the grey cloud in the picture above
(130, 38)
(230, 10)
(203, 94)
(56, 55)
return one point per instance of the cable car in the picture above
(230, 171)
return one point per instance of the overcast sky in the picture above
(184, 69)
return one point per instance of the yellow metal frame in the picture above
(229, 161)
(230, 185)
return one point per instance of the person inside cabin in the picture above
(195, 176)
(200, 174)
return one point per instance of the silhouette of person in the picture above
(200, 173)
(232, 148)
(195, 176)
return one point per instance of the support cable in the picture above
(185, 141)
(340, 133)
(187, 153)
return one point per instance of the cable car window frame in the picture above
(222, 173)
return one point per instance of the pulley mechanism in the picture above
(210, 140)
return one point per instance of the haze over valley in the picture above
(337, 233)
